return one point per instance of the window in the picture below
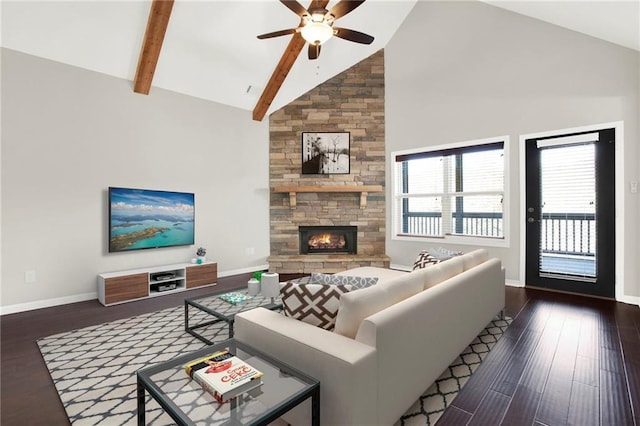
(455, 192)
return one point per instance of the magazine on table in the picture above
(234, 297)
(224, 375)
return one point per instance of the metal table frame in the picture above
(145, 383)
(218, 316)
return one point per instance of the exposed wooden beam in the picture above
(282, 70)
(152, 44)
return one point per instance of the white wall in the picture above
(458, 71)
(68, 134)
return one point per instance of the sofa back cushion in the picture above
(358, 305)
(436, 274)
(474, 258)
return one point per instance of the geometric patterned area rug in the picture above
(94, 368)
(431, 405)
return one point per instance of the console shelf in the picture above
(136, 284)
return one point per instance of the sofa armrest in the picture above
(342, 365)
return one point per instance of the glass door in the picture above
(570, 217)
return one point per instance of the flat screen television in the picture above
(144, 219)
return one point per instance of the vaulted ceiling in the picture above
(210, 49)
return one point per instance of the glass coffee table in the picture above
(221, 310)
(187, 403)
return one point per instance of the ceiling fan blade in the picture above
(277, 33)
(352, 35)
(314, 51)
(344, 7)
(295, 7)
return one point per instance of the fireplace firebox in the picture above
(328, 239)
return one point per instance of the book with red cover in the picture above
(224, 375)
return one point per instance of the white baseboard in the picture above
(242, 270)
(631, 300)
(48, 303)
(514, 283)
(39, 304)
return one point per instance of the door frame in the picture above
(619, 191)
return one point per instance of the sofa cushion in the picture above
(358, 305)
(474, 258)
(438, 273)
(424, 260)
(315, 304)
(355, 282)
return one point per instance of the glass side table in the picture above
(221, 310)
(187, 403)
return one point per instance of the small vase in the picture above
(253, 287)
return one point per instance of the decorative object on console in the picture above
(315, 304)
(270, 285)
(325, 153)
(353, 281)
(424, 260)
(201, 253)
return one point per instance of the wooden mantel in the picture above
(363, 190)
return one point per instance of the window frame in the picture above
(397, 197)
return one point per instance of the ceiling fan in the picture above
(316, 25)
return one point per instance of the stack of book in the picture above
(224, 375)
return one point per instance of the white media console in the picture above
(135, 284)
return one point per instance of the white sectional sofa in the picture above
(391, 341)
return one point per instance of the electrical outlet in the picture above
(250, 251)
(634, 187)
(30, 277)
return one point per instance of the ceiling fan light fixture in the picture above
(316, 32)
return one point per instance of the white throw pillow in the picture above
(437, 273)
(474, 258)
(358, 305)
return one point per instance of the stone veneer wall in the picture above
(353, 101)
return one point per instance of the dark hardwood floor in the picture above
(564, 360)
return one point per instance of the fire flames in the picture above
(327, 241)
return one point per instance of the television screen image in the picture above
(143, 219)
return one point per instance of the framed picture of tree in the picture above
(325, 153)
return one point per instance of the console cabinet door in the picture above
(202, 275)
(126, 287)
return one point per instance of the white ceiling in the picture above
(211, 51)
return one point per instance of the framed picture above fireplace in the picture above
(325, 153)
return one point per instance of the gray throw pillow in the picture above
(442, 253)
(353, 281)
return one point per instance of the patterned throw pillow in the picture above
(315, 304)
(424, 259)
(353, 281)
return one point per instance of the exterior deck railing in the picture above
(560, 233)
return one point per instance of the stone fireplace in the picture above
(328, 239)
(353, 102)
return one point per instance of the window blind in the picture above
(451, 192)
